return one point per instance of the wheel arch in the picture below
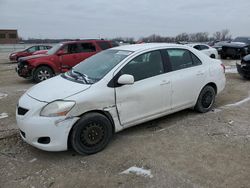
(213, 85)
(44, 65)
(105, 113)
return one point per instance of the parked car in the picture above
(218, 45)
(209, 51)
(236, 49)
(116, 89)
(27, 52)
(244, 67)
(40, 52)
(61, 58)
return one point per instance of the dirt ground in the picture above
(186, 149)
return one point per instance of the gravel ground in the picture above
(185, 149)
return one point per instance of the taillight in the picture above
(224, 68)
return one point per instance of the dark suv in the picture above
(61, 58)
(236, 49)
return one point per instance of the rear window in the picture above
(103, 45)
(181, 59)
(87, 47)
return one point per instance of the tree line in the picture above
(223, 35)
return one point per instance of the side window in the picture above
(87, 47)
(197, 47)
(32, 49)
(203, 47)
(73, 48)
(103, 45)
(70, 48)
(196, 60)
(42, 48)
(179, 59)
(145, 66)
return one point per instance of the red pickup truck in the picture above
(61, 58)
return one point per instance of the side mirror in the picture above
(60, 52)
(126, 79)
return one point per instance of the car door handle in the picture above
(165, 82)
(200, 73)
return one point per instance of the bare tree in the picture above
(222, 35)
(183, 37)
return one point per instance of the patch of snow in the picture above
(3, 115)
(33, 160)
(3, 95)
(22, 90)
(216, 110)
(138, 171)
(231, 70)
(238, 103)
(157, 131)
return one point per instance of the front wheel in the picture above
(206, 99)
(91, 133)
(42, 73)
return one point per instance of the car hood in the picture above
(16, 52)
(235, 44)
(32, 57)
(56, 88)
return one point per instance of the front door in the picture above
(146, 97)
(71, 56)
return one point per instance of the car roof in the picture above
(84, 40)
(146, 46)
(194, 44)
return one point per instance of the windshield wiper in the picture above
(83, 76)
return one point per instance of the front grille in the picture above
(21, 64)
(21, 111)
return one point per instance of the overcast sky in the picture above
(126, 18)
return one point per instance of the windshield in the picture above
(96, 67)
(54, 49)
(242, 39)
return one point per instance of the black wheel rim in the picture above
(92, 134)
(207, 99)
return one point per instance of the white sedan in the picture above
(208, 50)
(116, 89)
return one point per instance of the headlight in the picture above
(57, 108)
(13, 55)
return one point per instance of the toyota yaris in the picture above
(116, 89)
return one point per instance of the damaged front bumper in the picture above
(243, 70)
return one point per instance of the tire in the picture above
(42, 73)
(212, 56)
(205, 100)
(91, 134)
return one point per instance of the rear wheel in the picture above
(212, 56)
(206, 99)
(91, 133)
(42, 73)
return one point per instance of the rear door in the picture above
(187, 77)
(150, 93)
